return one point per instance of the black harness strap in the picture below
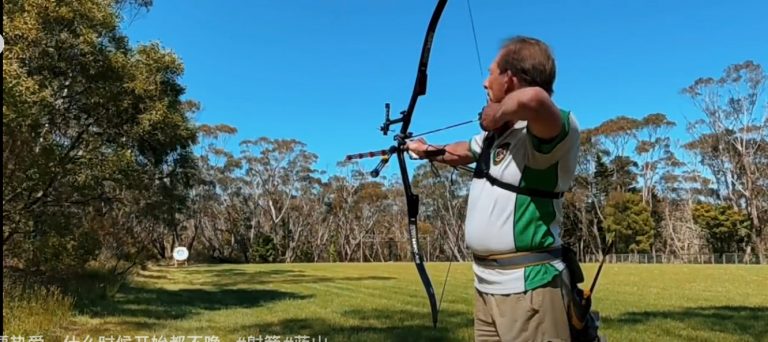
(483, 166)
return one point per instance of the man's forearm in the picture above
(456, 154)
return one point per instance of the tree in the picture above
(443, 195)
(278, 172)
(726, 229)
(88, 123)
(583, 205)
(629, 221)
(730, 137)
(654, 151)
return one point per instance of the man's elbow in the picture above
(535, 100)
(543, 116)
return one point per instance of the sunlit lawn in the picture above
(386, 302)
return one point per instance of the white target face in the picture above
(180, 253)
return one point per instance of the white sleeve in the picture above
(476, 144)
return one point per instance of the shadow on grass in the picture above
(230, 277)
(145, 300)
(164, 304)
(737, 321)
(375, 325)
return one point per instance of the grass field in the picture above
(386, 302)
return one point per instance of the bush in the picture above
(263, 249)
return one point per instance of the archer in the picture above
(525, 159)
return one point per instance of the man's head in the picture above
(521, 62)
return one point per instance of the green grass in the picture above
(386, 302)
(29, 309)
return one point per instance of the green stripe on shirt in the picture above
(545, 147)
(533, 217)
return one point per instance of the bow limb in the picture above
(420, 85)
(412, 200)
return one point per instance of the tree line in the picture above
(103, 163)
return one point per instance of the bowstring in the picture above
(474, 35)
(480, 68)
(450, 260)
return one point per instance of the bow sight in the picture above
(400, 139)
(389, 122)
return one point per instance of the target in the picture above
(180, 254)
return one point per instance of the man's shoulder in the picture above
(570, 118)
(568, 136)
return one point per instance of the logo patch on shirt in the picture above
(500, 153)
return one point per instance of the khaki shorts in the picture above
(538, 315)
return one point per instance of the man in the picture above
(525, 159)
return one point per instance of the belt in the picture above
(519, 259)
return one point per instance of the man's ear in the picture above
(510, 82)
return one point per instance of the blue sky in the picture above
(321, 71)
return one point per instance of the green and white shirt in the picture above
(500, 221)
